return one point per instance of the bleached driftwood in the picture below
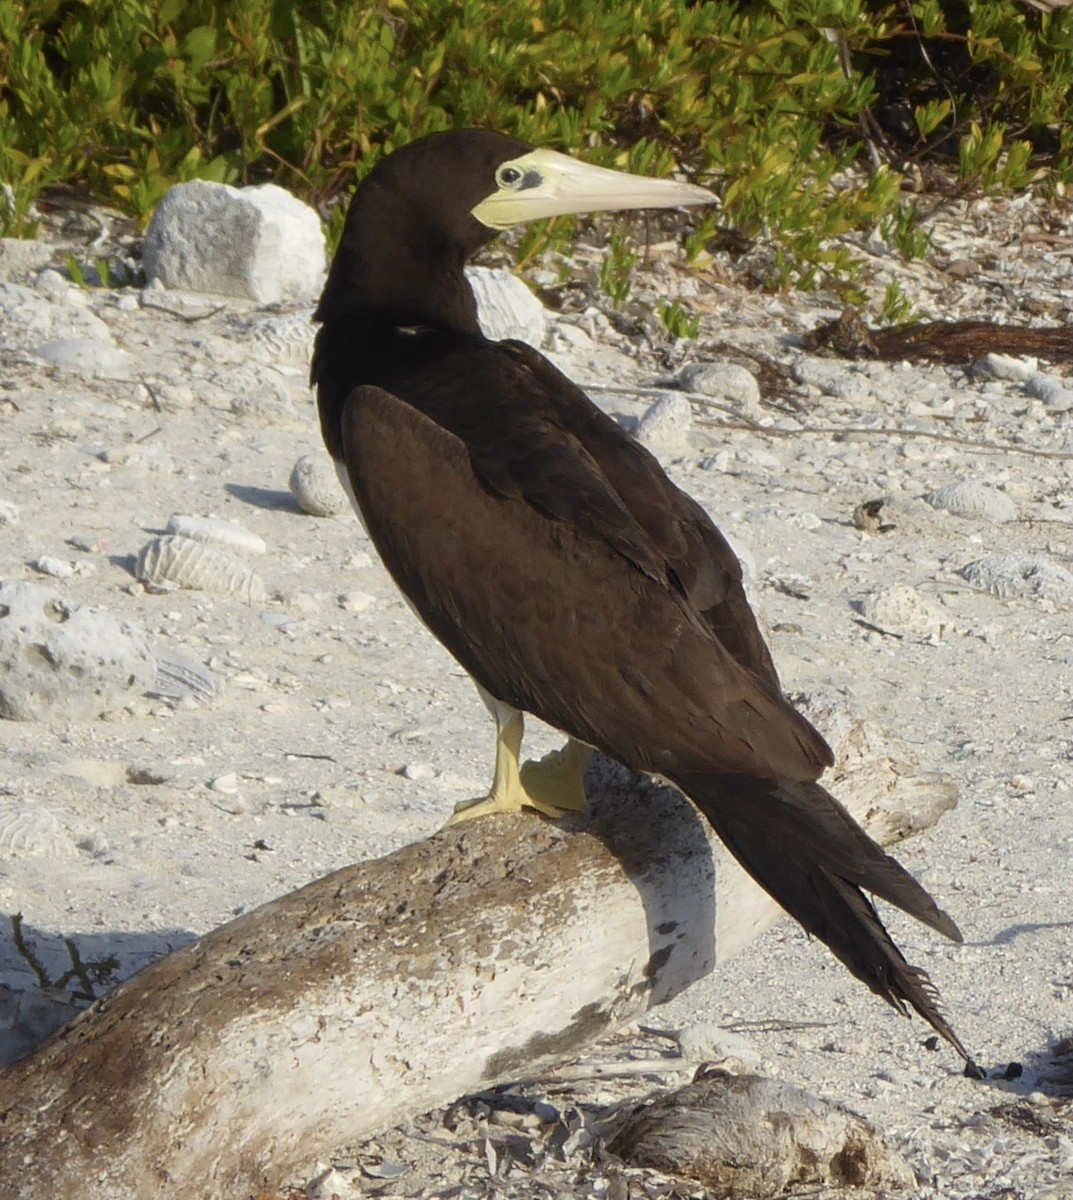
(488, 952)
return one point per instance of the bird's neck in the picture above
(393, 270)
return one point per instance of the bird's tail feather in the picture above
(805, 849)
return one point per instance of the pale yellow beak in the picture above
(544, 183)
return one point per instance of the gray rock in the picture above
(32, 318)
(316, 488)
(831, 378)
(258, 243)
(20, 257)
(664, 428)
(1004, 366)
(1051, 390)
(86, 357)
(1016, 576)
(506, 308)
(970, 498)
(709, 1042)
(721, 380)
(63, 660)
(228, 534)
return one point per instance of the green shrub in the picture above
(125, 97)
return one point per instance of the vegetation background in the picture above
(809, 117)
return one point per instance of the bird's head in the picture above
(425, 209)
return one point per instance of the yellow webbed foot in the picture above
(555, 784)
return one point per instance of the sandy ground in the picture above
(339, 729)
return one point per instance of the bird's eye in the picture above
(508, 177)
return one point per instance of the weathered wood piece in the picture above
(488, 952)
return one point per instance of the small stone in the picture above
(20, 256)
(9, 513)
(970, 498)
(1015, 576)
(56, 567)
(418, 772)
(710, 1043)
(831, 378)
(903, 610)
(86, 357)
(316, 488)
(664, 428)
(229, 534)
(1051, 391)
(1005, 366)
(52, 283)
(722, 380)
(225, 784)
(356, 602)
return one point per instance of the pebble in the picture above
(903, 610)
(708, 1042)
(52, 283)
(315, 487)
(1005, 366)
(9, 513)
(330, 1184)
(37, 318)
(831, 378)
(1013, 576)
(229, 534)
(21, 256)
(1052, 391)
(86, 357)
(418, 772)
(722, 380)
(56, 567)
(356, 602)
(664, 428)
(971, 498)
(227, 784)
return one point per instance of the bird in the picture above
(552, 556)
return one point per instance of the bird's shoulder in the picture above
(699, 561)
(533, 434)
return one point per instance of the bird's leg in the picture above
(555, 786)
(557, 780)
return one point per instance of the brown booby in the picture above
(551, 555)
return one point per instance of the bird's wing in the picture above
(525, 562)
(702, 563)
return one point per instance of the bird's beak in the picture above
(544, 183)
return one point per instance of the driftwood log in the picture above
(486, 953)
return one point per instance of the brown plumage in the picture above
(555, 560)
